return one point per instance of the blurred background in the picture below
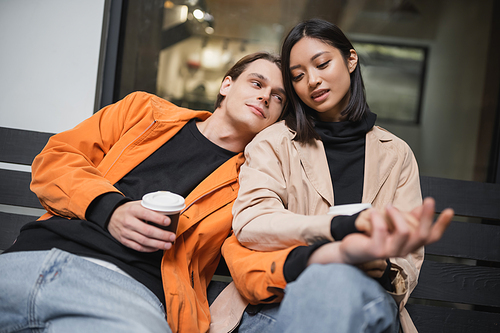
(431, 67)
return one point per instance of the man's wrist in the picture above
(102, 207)
(329, 253)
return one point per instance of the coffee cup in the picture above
(349, 209)
(166, 203)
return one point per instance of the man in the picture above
(92, 263)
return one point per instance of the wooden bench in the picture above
(18, 205)
(459, 285)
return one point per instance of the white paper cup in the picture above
(349, 209)
(166, 203)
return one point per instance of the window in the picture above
(437, 61)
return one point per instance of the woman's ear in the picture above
(352, 61)
(226, 85)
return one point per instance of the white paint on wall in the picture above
(49, 54)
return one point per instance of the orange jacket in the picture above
(80, 164)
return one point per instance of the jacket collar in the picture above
(380, 158)
(166, 111)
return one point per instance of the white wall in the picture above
(49, 53)
(454, 94)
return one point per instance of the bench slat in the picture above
(15, 189)
(469, 240)
(21, 146)
(459, 283)
(467, 198)
(9, 227)
(432, 319)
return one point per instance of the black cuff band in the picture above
(102, 207)
(296, 261)
(343, 225)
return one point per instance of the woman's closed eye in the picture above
(297, 77)
(324, 64)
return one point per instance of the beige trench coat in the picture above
(286, 191)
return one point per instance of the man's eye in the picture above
(257, 84)
(279, 98)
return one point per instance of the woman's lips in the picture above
(320, 95)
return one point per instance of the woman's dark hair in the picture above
(242, 64)
(298, 115)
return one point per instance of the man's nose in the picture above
(264, 98)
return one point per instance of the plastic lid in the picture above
(163, 201)
(349, 209)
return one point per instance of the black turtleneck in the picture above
(345, 151)
(344, 144)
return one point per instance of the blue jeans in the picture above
(328, 298)
(55, 291)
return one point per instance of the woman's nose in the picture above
(314, 80)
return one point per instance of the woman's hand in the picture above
(364, 221)
(398, 238)
(403, 234)
(374, 268)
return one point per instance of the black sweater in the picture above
(174, 167)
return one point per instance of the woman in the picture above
(330, 153)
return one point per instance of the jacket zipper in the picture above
(204, 195)
(125, 148)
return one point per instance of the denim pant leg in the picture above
(60, 292)
(336, 298)
(259, 318)
(256, 319)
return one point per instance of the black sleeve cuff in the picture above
(102, 207)
(296, 261)
(385, 280)
(343, 225)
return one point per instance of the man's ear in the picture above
(226, 86)
(352, 61)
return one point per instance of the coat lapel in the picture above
(380, 158)
(315, 165)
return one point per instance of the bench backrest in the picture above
(459, 285)
(18, 205)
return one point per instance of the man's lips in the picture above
(319, 95)
(257, 110)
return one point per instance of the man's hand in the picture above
(403, 234)
(127, 224)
